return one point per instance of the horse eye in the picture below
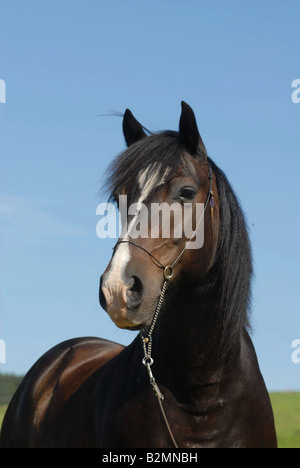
(187, 194)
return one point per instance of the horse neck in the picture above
(187, 340)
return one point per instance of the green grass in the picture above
(2, 412)
(286, 408)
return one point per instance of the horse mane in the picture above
(231, 273)
(228, 283)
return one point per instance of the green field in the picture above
(286, 408)
(2, 412)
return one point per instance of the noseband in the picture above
(168, 272)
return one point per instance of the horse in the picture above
(190, 378)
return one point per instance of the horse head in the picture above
(172, 221)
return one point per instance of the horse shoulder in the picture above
(50, 383)
(255, 404)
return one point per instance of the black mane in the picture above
(232, 270)
(229, 281)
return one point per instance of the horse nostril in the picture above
(135, 293)
(102, 299)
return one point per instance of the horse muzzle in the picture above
(122, 300)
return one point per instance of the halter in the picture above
(168, 272)
(169, 269)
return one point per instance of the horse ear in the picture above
(132, 129)
(189, 133)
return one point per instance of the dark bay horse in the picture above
(191, 305)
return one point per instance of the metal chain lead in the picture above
(147, 347)
(147, 340)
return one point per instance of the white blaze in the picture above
(148, 180)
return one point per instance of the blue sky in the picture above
(67, 62)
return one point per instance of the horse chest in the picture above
(138, 422)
